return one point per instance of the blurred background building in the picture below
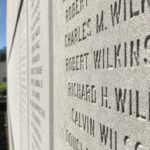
(3, 72)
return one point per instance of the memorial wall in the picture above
(78, 75)
(28, 78)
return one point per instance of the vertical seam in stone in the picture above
(51, 72)
(28, 101)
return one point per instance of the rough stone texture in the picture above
(78, 76)
(122, 76)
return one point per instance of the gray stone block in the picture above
(78, 75)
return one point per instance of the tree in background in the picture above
(3, 54)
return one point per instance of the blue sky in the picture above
(2, 23)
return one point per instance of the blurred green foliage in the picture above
(3, 85)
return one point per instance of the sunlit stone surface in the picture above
(78, 75)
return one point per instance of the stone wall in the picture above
(78, 74)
